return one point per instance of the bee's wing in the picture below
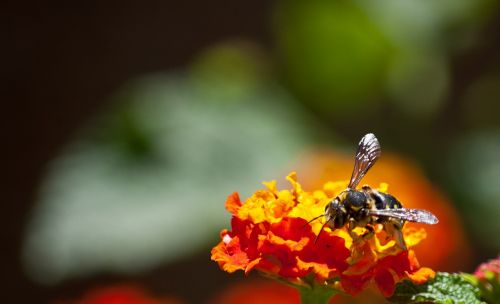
(411, 215)
(367, 154)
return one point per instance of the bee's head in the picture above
(332, 208)
(335, 214)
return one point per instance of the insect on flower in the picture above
(368, 207)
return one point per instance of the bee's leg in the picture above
(394, 228)
(350, 227)
(368, 234)
(399, 239)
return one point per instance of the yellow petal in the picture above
(292, 178)
(413, 236)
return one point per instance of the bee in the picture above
(368, 207)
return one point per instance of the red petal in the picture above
(292, 229)
(330, 250)
(399, 263)
(385, 282)
(354, 284)
(248, 234)
(280, 258)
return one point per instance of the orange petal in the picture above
(422, 275)
(321, 270)
(293, 245)
(252, 265)
(412, 258)
(233, 203)
(229, 256)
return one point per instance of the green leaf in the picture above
(316, 294)
(445, 288)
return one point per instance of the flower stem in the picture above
(316, 294)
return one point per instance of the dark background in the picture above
(62, 61)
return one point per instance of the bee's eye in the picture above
(332, 205)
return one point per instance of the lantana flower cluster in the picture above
(488, 280)
(270, 234)
(489, 270)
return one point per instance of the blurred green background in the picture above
(136, 121)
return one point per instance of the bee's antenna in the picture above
(321, 230)
(315, 218)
